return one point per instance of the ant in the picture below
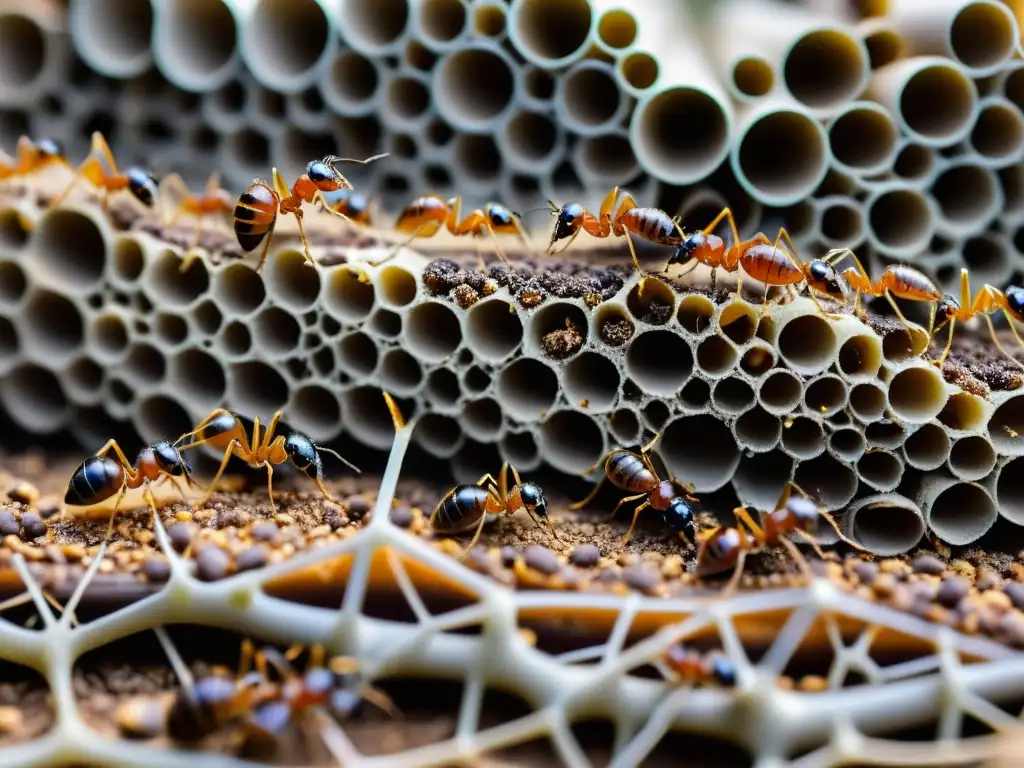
(988, 301)
(99, 477)
(768, 262)
(635, 473)
(141, 183)
(213, 200)
(689, 667)
(726, 548)
(223, 430)
(650, 224)
(467, 505)
(898, 280)
(425, 216)
(32, 156)
(258, 206)
(356, 206)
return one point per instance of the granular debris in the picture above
(561, 344)
(616, 331)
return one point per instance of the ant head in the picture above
(326, 177)
(143, 185)
(723, 671)
(169, 459)
(499, 215)
(304, 454)
(804, 513)
(688, 248)
(567, 220)
(533, 499)
(271, 718)
(318, 681)
(823, 277)
(679, 517)
(49, 148)
(1015, 301)
(947, 308)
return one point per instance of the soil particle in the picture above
(401, 516)
(181, 535)
(156, 568)
(561, 344)
(542, 559)
(928, 564)
(641, 578)
(952, 590)
(32, 526)
(212, 563)
(251, 558)
(1015, 591)
(585, 556)
(616, 331)
(264, 531)
(9, 525)
(509, 555)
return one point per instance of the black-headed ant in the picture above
(141, 183)
(32, 156)
(635, 473)
(690, 667)
(258, 206)
(99, 477)
(466, 506)
(726, 548)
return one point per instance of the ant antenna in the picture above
(340, 458)
(533, 210)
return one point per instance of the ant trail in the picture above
(409, 590)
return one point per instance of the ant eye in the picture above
(819, 270)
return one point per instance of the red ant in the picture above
(425, 216)
(99, 477)
(355, 206)
(726, 548)
(213, 200)
(648, 223)
(223, 430)
(32, 156)
(988, 301)
(635, 473)
(141, 183)
(692, 668)
(465, 506)
(769, 262)
(258, 206)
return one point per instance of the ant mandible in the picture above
(465, 506)
(223, 430)
(726, 548)
(99, 477)
(988, 301)
(773, 263)
(635, 473)
(425, 216)
(141, 183)
(258, 206)
(32, 156)
(650, 224)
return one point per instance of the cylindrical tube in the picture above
(550, 34)
(900, 219)
(958, 513)
(195, 43)
(997, 136)
(979, 34)
(883, 43)
(477, 163)
(780, 153)
(350, 84)
(405, 105)
(490, 19)
(441, 25)
(863, 139)
(932, 98)
(840, 221)
(286, 43)
(967, 196)
(821, 64)
(531, 142)
(476, 87)
(111, 37)
(886, 524)
(606, 160)
(681, 127)
(588, 100)
(374, 27)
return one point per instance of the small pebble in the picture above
(358, 506)
(48, 509)
(542, 559)
(333, 516)
(585, 556)
(264, 531)
(157, 569)
(1013, 627)
(401, 516)
(212, 563)
(988, 579)
(884, 585)
(928, 564)
(11, 720)
(1015, 591)
(953, 590)
(32, 526)
(641, 578)
(140, 718)
(508, 556)
(253, 557)
(813, 684)
(866, 571)
(23, 492)
(8, 523)
(181, 535)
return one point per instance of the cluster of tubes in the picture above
(891, 127)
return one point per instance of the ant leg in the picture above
(201, 426)
(949, 345)
(233, 446)
(266, 247)
(476, 537)
(636, 514)
(305, 240)
(245, 657)
(725, 213)
(523, 237)
(812, 541)
(798, 558)
(320, 484)
(268, 432)
(494, 239)
(734, 580)
(590, 496)
(565, 247)
(400, 246)
(632, 252)
(113, 512)
(743, 516)
(899, 314)
(380, 700)
(270, 487)
(647, 448)
(111, 445)
(1013, 330)
(835, 527)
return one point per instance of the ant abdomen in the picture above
(461, 508)
(255, 214)
(96, 479)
